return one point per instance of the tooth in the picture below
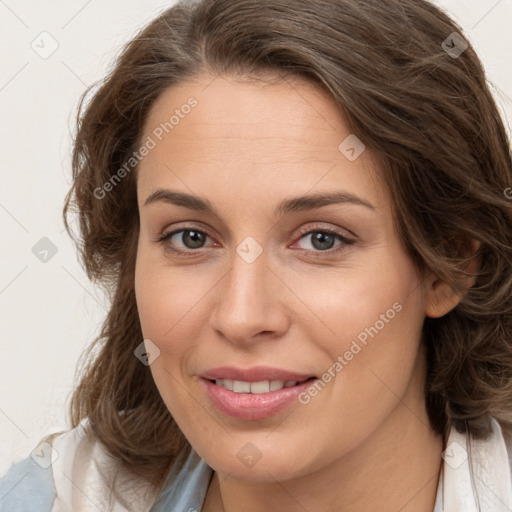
(260, 387)
(241, 387)
(275, 385)
(228, 384)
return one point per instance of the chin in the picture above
(258, 458)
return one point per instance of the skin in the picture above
(364, 442)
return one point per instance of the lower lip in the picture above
(253, 406)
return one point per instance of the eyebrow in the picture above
(294, 204)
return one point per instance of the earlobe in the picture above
(441, 297)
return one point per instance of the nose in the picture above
(249, 303)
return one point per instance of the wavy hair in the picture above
(445, 157)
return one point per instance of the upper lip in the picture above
(254, 374)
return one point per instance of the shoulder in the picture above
(27, 486)
(34, 482)
(70, 470)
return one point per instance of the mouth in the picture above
(254, 394)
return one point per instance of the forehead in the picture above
(286, 132)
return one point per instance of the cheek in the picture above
(371, 324)
(363, 303)
(373, 360)
(170, 303)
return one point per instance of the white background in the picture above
(49, 311)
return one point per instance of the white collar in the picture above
(476, 474)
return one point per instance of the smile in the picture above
(248, 395)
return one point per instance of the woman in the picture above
(300, 211)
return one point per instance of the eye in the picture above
(323, 240)
(189, 238)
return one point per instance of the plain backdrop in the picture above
(49, 311)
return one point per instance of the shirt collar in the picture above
(476, 475)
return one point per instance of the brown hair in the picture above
(445, 157)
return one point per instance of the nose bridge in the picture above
(247, 302)
(245, 291)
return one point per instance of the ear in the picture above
(441, 298)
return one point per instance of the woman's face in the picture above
(258, 283)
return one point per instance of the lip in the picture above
(249, 406)
(254, 374)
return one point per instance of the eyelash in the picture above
(315, 254)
